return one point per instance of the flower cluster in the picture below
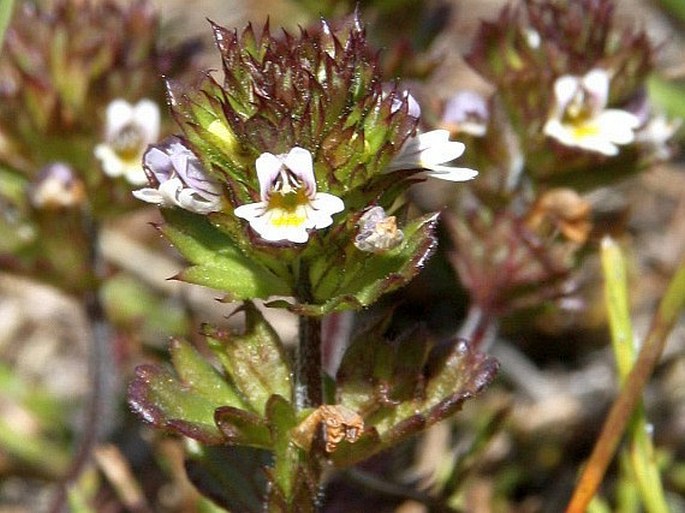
(297, 127)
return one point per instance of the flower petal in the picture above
(149, 195)
(299, 161)
(268, 166)
(190, 200)
(158, 163)
(146, 116)
(322, 207)
(446, 152)
(112, 165)
(596, 83)
(250, 211)
(618, 125)
(119, 114)
(452, 174)
(565, 88)
(134, 172)
(434, 138)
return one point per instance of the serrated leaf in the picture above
(357, 279)
(392, 410)
(183, 402)
(216, 260)
(256, 360)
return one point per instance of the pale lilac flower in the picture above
(290, 205)
(57, 186)
(466, 111)
(580, 118)
(429, 151)
(129, 130)
(182, 181)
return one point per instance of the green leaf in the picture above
(241, 427)
(256, 360)
(184, 402)
(353, 279)
(282, 419)
(640, 452)
(233, 477)
(401, 390)
(216, 260)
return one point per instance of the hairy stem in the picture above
(310, 390)
(309, 359)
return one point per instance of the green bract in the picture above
(320, 91)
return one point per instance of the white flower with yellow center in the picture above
(290, 204)
(580, 118)
(430, 151)
(129, 130)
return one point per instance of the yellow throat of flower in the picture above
(287, 208)
(129, 143)
(584, 128)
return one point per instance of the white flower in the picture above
(429, 151)
(581, 119)
(290, 204)
(182, 180)
(129, 130)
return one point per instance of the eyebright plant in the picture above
(280, 188)
(300, 138)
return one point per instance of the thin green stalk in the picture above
(640, 447)
(622, 409)
(6, 10)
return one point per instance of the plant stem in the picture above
(309, 386)
(479, 328)
(310, 390)
(100, 373)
